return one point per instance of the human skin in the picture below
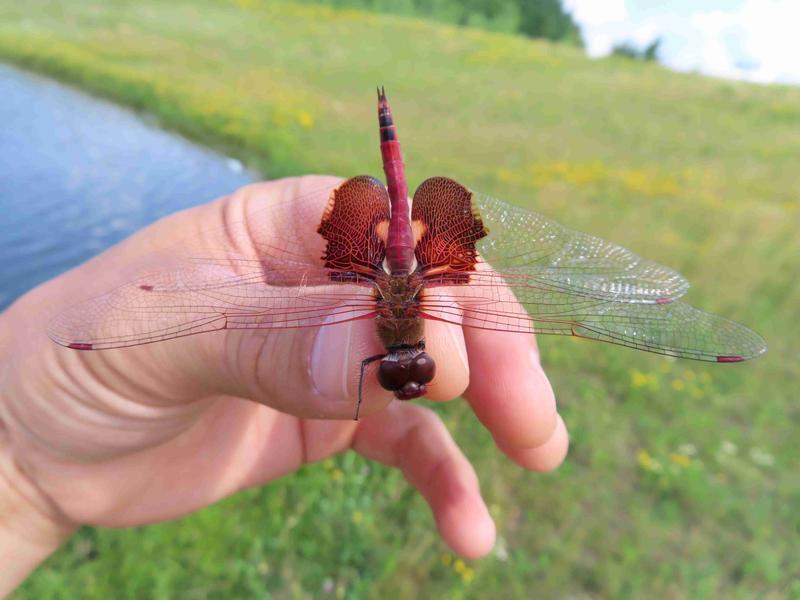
(139, 435)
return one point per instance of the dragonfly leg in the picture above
(364, 363)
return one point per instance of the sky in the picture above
(754, 40)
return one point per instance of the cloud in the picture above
(772, 40)
(754, 40)
(592, 12)
(601, 22)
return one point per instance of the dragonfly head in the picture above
(406, 373)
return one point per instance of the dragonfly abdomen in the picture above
(400, 240)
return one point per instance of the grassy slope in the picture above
(697, 173)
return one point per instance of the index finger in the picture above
(508, 389)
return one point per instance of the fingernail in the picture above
(536, 360)
(328, 365)
(457, 341)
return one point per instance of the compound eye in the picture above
(422, 368)
(393, 375)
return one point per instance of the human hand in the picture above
(138, 435)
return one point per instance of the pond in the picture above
(78, 174)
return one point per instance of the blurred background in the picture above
(670, 128)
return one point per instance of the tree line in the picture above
(547, 19)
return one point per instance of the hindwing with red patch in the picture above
(355, 225)
(446, 228)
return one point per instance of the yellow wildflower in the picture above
(358, 517)
(696, 393)
(680, 459)
(641, 380)
(505, 175)
(305, 119)
(649, 183)
(678, 384)
(459, 566)
(468, 575)
(337, 474)
(638, 379)
(247, 4)
(647, 462)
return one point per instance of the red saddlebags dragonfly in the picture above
(453, 255)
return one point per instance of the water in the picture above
(78, 174)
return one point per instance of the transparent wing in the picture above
(674, 328)
(532, 275)
(537, 254)
(205, 296)
(264, 270)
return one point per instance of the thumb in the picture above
(306, 372)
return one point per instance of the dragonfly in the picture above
(451, 255)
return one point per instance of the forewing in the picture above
(264, 271)
(535, 254)
(446, 230)
(355, 225)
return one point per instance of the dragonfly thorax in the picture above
(398, 321)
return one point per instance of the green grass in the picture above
(682, 479)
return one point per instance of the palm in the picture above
(230, 445)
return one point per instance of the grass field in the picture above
(682, 480)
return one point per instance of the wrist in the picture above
(30, 526)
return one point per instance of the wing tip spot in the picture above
(146, 287)
(731, 358)
(80, 346)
